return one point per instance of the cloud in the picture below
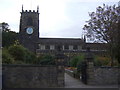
(58, 18)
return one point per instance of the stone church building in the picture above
(29, 38)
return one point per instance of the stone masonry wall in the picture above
(106, 75)
(29, 76)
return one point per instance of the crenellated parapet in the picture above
(30, 11)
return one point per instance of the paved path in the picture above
(71, 82)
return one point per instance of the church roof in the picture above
(101, 46)
(61, 41)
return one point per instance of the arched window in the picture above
(29, 21)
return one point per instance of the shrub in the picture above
(76, 60)
(22, 55)
(46, 60)
(18, 52)
(6, 57)
(101, 61)
(30, 57)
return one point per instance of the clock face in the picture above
(29, 30)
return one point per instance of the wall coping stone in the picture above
(27, 65)
(106, 67)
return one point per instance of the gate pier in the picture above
(89, 67)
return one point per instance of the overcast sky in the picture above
(58, 18)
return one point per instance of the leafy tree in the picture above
(5, 27)
(8, 37)
(104, 26)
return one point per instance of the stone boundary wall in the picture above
(102, 76)
(107, 75)
(30, 76)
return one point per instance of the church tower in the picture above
(29, 29)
